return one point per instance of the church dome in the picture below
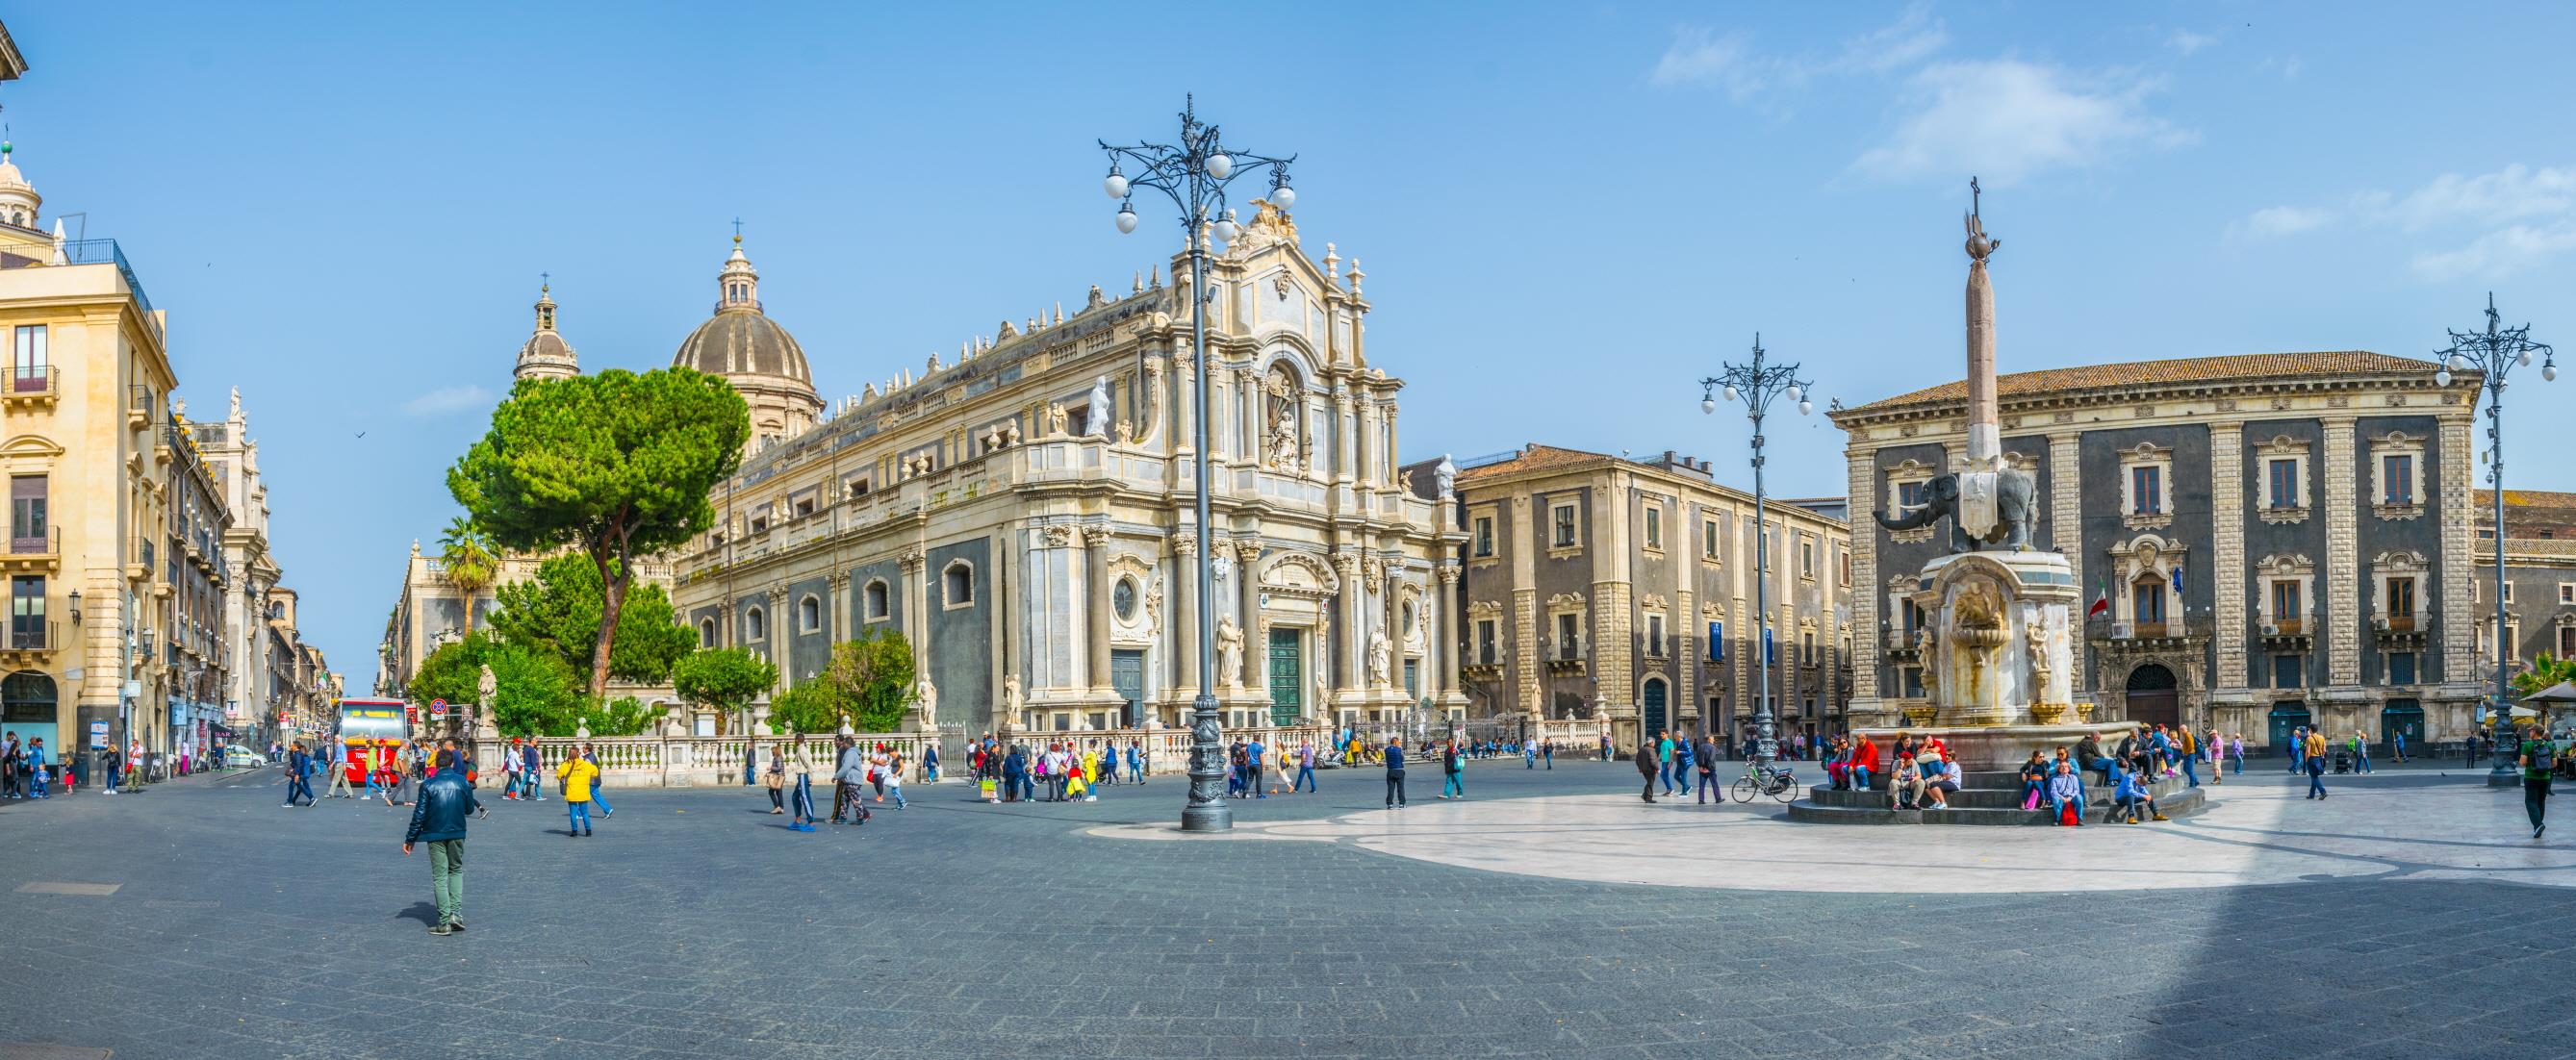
(19, 203)
(740, 340)
(546, 355)
(737, 342)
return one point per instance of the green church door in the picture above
(1127, 676)
(1287, 676)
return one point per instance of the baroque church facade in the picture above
(1023, 513)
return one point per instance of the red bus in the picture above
(371, 730)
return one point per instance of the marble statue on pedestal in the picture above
(1229, 653)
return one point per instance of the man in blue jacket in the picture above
(1394, 773)
(1682, 755)
(438, 819)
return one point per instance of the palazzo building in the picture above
(2540, 578)
(1603, 587)
(1023, 511)
(2274, 540)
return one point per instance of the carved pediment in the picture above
(1565, 600)
(1299, 573)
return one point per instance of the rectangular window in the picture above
(1566, 648)
(2147, 602)
(1563, 515)
(1654, 528)
(2397, 475)
(856, 486)
(1717, 642)
(1842, 560)
(2401, 599)
(27, 612)
(1708, 539)
(1485, 649)
(28, 528)
(2567, 592)
(760, 519)
(1909, 495)
(2288, 670)
(2285, 604)
(1913, 682)
(1484, 535)
(2567, 642)
(1806, 559)
(2401, 667)
(2146, 490)
(1807, 647)
(30, 370)
(2508, 592)
(1655, 635)
(2285, 483)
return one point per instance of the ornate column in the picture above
(2458, 635)
(2065, 532)
(915, 602)
(1364, 442)
(1248, 417)
(772, 622)
(1382, 577)
(1256, 641)
(837, 622)
(2228, 585)
(1350, 659)
(1184, 629)
(2343, 615)
(1867, 641)
(1345, 425)
(1095, 604)
(1444, 669)
(1184, 403)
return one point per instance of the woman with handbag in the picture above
(775, 779)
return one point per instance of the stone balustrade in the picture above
(714, 761)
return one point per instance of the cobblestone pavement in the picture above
(694, 926)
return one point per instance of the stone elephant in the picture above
(2014, 514)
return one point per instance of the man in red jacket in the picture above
(1864, 760)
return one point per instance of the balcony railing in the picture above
(106, 252)
(32, 384)
(26, 636)
(2121, 629)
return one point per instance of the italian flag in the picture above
(2101, 601)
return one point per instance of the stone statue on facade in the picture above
(1444, 478)
(1011, 702)
(926, 701)
(1279, 435)
(485, 686)
(1229, 652)
(1056, 419)
(1380, 652)
(1095, 416)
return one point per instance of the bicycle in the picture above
(1761, 779)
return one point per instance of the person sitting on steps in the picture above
(2065, 788)
(1905, 788)
(2133, 798)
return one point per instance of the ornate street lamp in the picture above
(1756, 385)
(1194, 175)
(2493, 353)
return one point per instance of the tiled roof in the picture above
(2239, 368)
(2526, 499)
(1534, 457)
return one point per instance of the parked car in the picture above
(237, 756)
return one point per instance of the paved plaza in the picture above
(1551, 914)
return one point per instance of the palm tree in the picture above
(2546, 670)
(469, 560)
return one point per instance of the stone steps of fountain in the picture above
(1990, 799)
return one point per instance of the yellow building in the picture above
(88, 444)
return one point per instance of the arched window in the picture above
(753, 626)
(707, 633)
(957, 585)
(876, 601)
(809, 615)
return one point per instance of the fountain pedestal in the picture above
(1997, 658)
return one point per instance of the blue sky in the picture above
(1567, 213)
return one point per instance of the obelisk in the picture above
(1985, 437)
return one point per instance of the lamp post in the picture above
(1194, 175)
(1755, 385)
(2493, 353)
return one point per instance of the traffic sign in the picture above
(438, 710)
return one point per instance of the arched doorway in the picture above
(2286, 718)
(2403, 717)
(1654, 710)
(27, 707)
(2152, 696)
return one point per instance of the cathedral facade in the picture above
(1022, 513)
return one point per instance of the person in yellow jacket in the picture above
(577, 773)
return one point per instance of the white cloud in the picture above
(2286, 220)
(1705, 58)
(2513, 218)
(2187, 42)
(448, 401)
(1699, 57)
(2007, 120)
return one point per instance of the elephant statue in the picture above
(2014, 513)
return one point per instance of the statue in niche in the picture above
(1011, 701)
(1056, 418)
(1229, 653)
(1095, 416)
(1923, 645)
(1380, 651)
(1279, 437)
(928, 697)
